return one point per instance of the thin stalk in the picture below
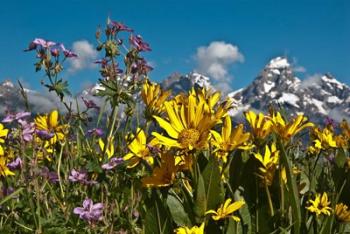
(59, 169)
(269, 200)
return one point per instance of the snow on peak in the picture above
(202, 81)
(331, 80)
(278, 63)
(8, 84)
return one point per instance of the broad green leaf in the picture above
(213, 184)
(177, 211)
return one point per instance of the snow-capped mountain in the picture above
(182, 83)
(277, 85)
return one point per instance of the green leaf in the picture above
(292, 188)
(213, 186)
(177, 211)
(200, 205)
(157, 220)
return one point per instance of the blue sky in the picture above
(313, 34)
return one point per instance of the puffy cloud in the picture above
(312, 80)
(86, 56)
(215, 59)
(300, 69)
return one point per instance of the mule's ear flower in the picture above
(320, 205)
(342, 213)
(192, 230)
(226, 210)
(164, 175)
(288, 129)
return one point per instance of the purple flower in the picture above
(138, 43)
(44, 135)
(90, 104)
(80, 177)
(76, 176)
(330, 122)
(95, 131)
(7, 191)
(112, 163)
(40, 42)
(121, 27)
(15, 164)
(103, 62)
(68, 53)
(89, 212)
(55, 52)
(51, 176)
(12, 117)
(28, 130)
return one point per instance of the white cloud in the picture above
(86, 56)
(215, 59)
(312, 80)
(300, 69)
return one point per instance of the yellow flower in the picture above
(269, 163)
(138, 149)
(164, 175)
(320, 205)
(225, 210)
(192, 230)
(342, 213)
(109, 150)
(287, 130)
(188, 125)
(3, 135)
(153, 97)
(261, 126)
(324, 139)
(4, 170)
(230, 139)
(49, 123)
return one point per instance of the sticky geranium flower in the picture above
(192, 230)
(67, 53)
(120, 27)
(113, 162)
(95, 132)
(226, 210)
(28, 130)
(89, 212)
(51, 176)
(12, 117)
(41, 43)
(138, 43)
(320, 205)
(90, 104)
(15, 164)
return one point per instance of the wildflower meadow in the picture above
(151, 161)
